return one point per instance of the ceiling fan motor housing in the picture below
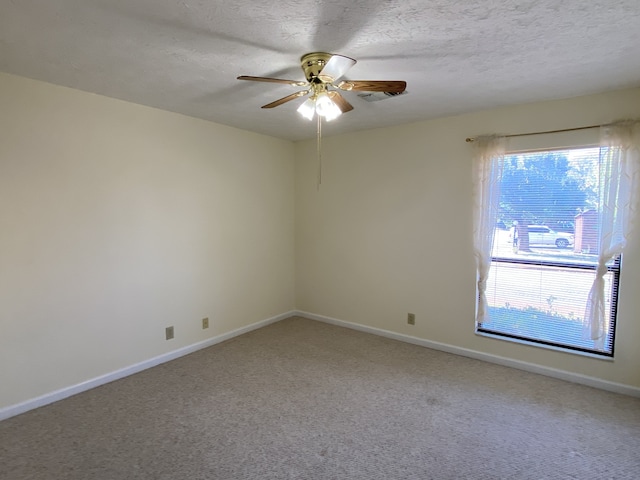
(312, 64)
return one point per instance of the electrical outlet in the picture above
(411, 318)
(168, 332)
(205, 323)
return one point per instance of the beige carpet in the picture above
(304, 400)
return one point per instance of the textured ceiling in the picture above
(456, 56)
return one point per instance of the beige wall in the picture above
(389, 232)
(118, 220)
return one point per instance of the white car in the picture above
(543, 235)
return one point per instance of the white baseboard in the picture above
(17, 409)
(508, 362)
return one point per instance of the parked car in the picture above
(543, 235)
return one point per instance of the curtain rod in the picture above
(472, 139)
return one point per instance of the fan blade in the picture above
(340, 101)
(294, 83)
(286, 99)
(374, 85)
(336, 67)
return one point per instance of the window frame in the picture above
(614, 267)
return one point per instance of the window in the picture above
(545, 251)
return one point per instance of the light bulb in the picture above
(307, 109)
(325, 107)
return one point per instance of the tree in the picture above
(540, 189)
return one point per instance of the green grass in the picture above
(537, 324)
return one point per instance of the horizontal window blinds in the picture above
(545, 251)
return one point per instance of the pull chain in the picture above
(319, 151)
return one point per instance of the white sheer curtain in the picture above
(488, 161)
(619, 205)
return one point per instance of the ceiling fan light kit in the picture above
(323, 105)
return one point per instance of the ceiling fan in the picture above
(322, 71)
